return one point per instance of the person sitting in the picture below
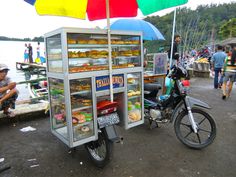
(8, 92)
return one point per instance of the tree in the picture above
(228, 29)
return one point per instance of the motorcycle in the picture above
(100, 151)
(193, 125)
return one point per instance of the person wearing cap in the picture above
(8, 92)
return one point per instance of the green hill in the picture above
(197, 27)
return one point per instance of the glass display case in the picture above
(134, 98)
(156, 63)
(78, 77)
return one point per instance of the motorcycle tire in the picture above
(206, 131)
(100, 151)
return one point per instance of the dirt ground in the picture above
(144, 153)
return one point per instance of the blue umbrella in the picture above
(150, 32)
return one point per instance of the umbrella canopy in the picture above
(96, 9)
(101, 9)
(150, 32)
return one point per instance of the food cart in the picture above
(78, 79)
(201, 68)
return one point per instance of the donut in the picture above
(85, 129)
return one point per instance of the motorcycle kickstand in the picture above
(150, 124)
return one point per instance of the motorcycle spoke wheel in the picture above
(206, 129)
(100, 151)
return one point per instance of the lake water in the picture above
(12, 52)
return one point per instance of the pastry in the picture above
(128, 42)
(131, 80)
(80, 41)
(130, 94)
(103, 53)
(85, 129)
(59, 116)
(74, 121)
(92, 41)
(135, 52)
(82, 55)
(114, 54)
(71, 41)
(135, 42)
(119, 42)
(102, 41)
(137, 105)
(130, 65)
(80, 117)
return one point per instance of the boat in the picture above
(38, 90)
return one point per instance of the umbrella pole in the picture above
(109, 48)
(172, 39)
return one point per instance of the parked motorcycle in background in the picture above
(193, 125)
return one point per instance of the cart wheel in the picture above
(100, 151)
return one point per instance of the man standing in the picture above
(218, 60)
(30, 53)
(230, 74)
(175, 53)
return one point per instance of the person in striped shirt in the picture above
(229, 74)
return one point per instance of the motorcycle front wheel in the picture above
(100, 151)
(206, 129)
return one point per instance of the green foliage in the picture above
(197, 27)
(228, 29)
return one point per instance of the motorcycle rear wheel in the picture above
(206, 129)
(100, 151)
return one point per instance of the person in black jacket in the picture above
(30, 53)
(233, 57)
(175, 54)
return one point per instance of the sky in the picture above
(19, 19)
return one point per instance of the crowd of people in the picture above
(222, 64)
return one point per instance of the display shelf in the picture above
(72, 46)
(134, 97)
(81, 108)
(81, 92)
(133, 85)
(54, 59)
(82, 124)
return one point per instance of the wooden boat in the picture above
(38, 90)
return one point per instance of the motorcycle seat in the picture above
(152, 87)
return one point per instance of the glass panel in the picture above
(87, 52)
(82, 110)
(54, 53)
(58, 110)
(134, 97)
(126, 51)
